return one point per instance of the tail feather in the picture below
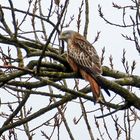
(106, 90)
(96, 89)
(95, 86)
(102, 86)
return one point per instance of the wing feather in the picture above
(84, 55)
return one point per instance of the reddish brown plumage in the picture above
(96, 89)
(94, 86)
(83, 57)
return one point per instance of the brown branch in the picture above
(65, 89)
(86, 18)
(17, 68)
(30, 14)
(130, 97)
(114, 73)
(64, 120)
(79, 16)
(14, 18)
(50, 36)
(5, 78)
(121, 77)
(107, 21)
(36, 114)
(86, 119)
(16, 111)
(121, 107)
(2, 19)
(27, 91)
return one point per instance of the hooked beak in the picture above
(62, 37)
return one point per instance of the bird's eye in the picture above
(66, 34)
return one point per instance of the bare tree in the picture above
(33, 64)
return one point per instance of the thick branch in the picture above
(118, 89)
(36, 114)
(21, 104)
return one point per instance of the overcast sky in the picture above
(110, 38)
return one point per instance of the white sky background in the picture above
(110, 38)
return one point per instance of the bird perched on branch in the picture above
(83, 58)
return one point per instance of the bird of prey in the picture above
(83, 58)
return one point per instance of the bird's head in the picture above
(66, 35)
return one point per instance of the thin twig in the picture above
(14, 18)
(14, 113)
(86, 18)
(51, 34)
